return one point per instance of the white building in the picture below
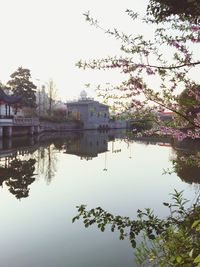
(91, 113)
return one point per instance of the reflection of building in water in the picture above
(11, 147)
(22, 161)
(88, 146)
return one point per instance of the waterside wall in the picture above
(59, 126)
(33, 126)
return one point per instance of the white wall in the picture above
(12, 111)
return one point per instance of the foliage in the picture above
(60, 113)
(29, 112)
(179, 245)
(176, 239)
(172, 241)
(51, 91)
(22, 86)
(144, 122)
(189, 105)
(161, 10)
(145, 61)
(186, 161)
(4, 87)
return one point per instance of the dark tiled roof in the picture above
(9, 99)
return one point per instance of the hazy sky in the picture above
(50, 36)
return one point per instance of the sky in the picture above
(50, 36)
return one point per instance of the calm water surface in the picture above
(44, 179)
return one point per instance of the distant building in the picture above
(91, 113)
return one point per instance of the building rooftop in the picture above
(9, 99)
(86, 101)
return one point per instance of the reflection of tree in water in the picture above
(19, 176)
(47, 161)
(47, 155)
(186, 169)
(188, 173)
(186, 163)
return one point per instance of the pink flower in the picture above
(175, 44)
(195, 28)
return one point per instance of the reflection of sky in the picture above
(37, 231)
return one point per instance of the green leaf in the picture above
(195, 223)
(172, 259)
(133, 243)
(165, 204)
(178, 259)
(151, 236)
(197, 259)
(75, 218)
(191, 253)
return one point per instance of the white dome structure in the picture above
(83, 95)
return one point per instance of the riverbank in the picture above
(46, 126)
(14, 127)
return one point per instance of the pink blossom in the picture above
(195, 28)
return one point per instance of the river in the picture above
(44, 178)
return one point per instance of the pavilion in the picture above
(8, 104)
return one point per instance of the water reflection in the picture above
(47, 161)
(186, 160)
(122, 175)
(88, 145)
(185, 156)
(22, 160)
(18, 175)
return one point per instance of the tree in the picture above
(164, 9)
(22, 86)
(51, 90)
(143, 61)
(189, 105)
(4, 87)
(177, 236)
(172, 241)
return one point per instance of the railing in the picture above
(6, 121)
(25, 121)
(6, 117)
(79, 99)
